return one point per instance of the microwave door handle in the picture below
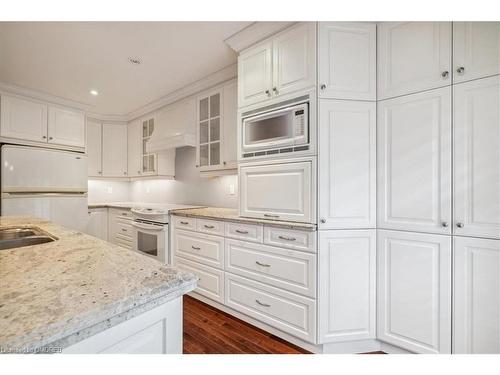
(147, 227)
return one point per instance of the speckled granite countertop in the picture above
(230, 214)
(62, 292)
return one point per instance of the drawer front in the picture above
(288, 269)
(211, 280)
(123, 241)
(286, 311)
(184, 222)
(210, 226)
(203, 248)
(126, 213)
(123, 229)
(247, 232)
(291, 239)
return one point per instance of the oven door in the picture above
(150, 239)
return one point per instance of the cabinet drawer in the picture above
(291, 270)
(126, 213)
(247, 232)
(210, 226)
(123, 229)
(184, 222)
(210, 280)
(202, 248)
(289, 238)
(123, 241)
(286, 311)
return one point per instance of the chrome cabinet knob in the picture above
(275, 91)
(445, 74)
(51, 138)
(268, 93)
(44, 137)
(323, 221)
(444, 224)
(323, 86)
(460, 70)
(460, 225)
(100, 172)
(124, 172)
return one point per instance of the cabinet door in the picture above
(294, 59)
(347, 60)
(148, 160)
(414, 162)
(66, 127)
(476, 50)
(278, 191)
(347, 258)
(476, 296)
(23, 119)
(347, 164)
(255, 75)
(210, 130)
(477, 158)
(414, 291)
(412, 57)
(97, 224)
(94, 148)
(134, 150)
(230, 125)
(114, 146)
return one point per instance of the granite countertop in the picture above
(58, 293)
(230, 214)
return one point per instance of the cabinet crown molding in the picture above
(255, 33)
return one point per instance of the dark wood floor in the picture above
(211, 331)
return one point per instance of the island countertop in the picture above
(59, 293)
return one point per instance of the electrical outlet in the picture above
(232, 190)
(110, 190)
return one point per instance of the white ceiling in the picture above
(68, 59)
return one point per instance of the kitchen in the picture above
(331, 187)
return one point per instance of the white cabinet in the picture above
(477, 158)
(66, 127)
(284, 191)
(347, 164)
(134, 148)
(414, 162)
(282, 64)
(114, 146)
(120, 227)
(412, 57)
(148, 160)
(476, 296)
(23, 119)
(347, 60)
(476, 50)
(94, 148)
(230, 124)
(97, 224)
(414, 291)
(347, 274)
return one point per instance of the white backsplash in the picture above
(187, 188)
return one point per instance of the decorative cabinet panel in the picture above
(414, 162)
(94, 148)
(97, 224)
(347, 60)
(134, 148)
(412, 57)
(149, 160)
(283, 64)
(414, 291)
(347, 164)
(476, 50)
(347, 258)
(476, 296)
(114, 146)
(66, 127)
(477, 158)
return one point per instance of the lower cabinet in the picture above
(97, 223)
(476, 296)
(347, 274)
(120, 227)
(414, 291)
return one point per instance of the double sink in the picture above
(11, 238)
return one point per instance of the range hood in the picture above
(175, 126)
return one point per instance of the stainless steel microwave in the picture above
(274, 130)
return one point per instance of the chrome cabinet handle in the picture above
(445, 74)
(195, 247)
(444, 224)
(460, 70)
(323, 86)
(460, 225)
(287, 238)
(124, 214)
(184, 222)
(124, 230)
(262, 304)
(276, 92)
(262, 264)
(241, 231)
(268, 93)
(208, 226)
(269, 215)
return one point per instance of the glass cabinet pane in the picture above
(203, 155)
(151, 126)
(151, 163)
(215, 153)
(204, 132)
(145, 163)
(215, 129)
(204, 109)
(215, 105)
(145, 129)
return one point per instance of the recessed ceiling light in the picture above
(134, 60)
(94, 92)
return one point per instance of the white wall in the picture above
(102, 191)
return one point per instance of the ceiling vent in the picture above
(134, 60)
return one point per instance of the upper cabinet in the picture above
(413, 57)
(217, 128)
(476, 50)
(94, 148)
(27, 120)
(282, 64)
(347, 60)
(114, 146)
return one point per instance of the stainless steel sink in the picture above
(11, 238)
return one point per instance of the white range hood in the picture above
(175, 126)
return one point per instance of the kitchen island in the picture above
(79, 294)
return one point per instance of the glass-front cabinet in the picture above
(209, 130)
(148, 159)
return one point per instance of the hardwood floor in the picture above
(211, 331)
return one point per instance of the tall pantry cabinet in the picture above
(438, 155)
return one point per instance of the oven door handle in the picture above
(147, 227)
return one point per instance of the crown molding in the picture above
(255, 33)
